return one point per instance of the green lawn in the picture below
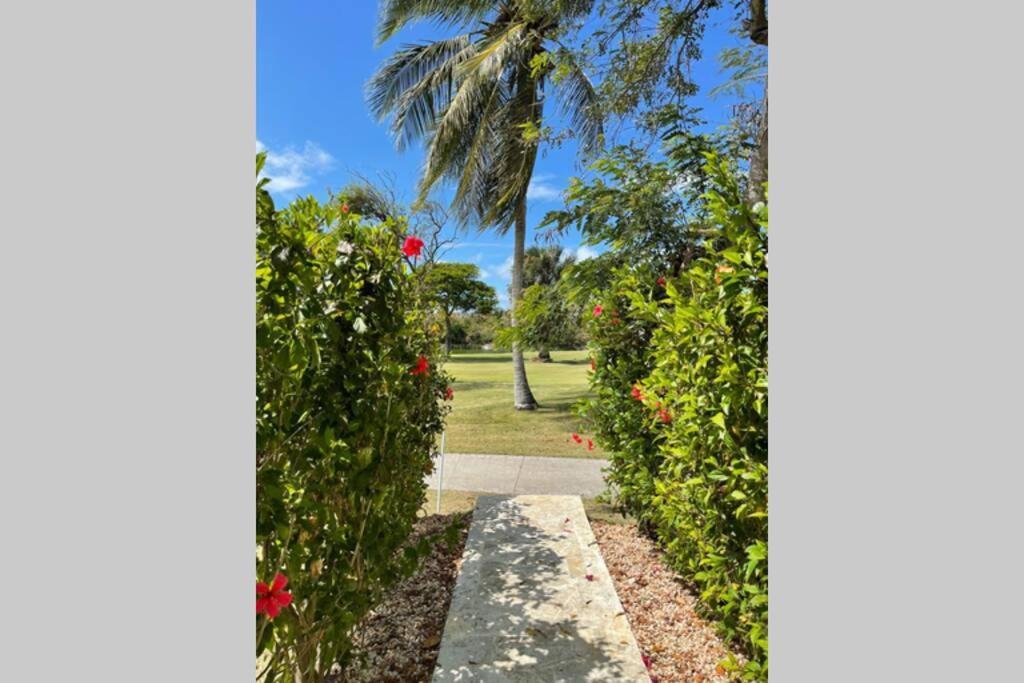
(483, 419)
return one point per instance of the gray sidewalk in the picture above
(521, 474)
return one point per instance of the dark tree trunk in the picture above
(524, 399)
(758, 22)
(447, 334)
(544, 356)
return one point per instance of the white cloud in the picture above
(483, 245)
(584, 252)
(542, 190)
(290, 169)
(504, 271)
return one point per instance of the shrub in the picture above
(346, 423)
(681, 401)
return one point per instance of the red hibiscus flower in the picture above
(270, 599)
(412, 246)
(664, 416)
(590, 445)
(661, 281)
(422, 367)
(344, 208)
(597, 310)
(577, 438)
(636, 393)
(448, 393)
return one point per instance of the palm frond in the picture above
(456, 125)
(395, 14)
(580, 104)
(512, 166)
(414, 83)
(494, 54)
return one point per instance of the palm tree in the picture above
(543, 266)
(476, 100)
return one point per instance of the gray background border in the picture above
(895, 343)
(126, 421)
(128, 346)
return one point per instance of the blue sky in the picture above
(313, 58)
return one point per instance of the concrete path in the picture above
(534, 600)
(514, 474)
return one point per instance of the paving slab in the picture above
(519, 474)
(534, 600)
(545, 475)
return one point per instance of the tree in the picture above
(477, 102)
(550, 326)
(455, 287)
(545, 319)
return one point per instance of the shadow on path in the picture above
(524, 610)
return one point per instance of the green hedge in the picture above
(345, 428)
(681, 402)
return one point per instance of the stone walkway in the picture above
(534, 600)
(516, 474)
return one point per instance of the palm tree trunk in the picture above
(524, 399)
(759, 158)
(758, 27)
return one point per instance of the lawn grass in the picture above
(483, 419)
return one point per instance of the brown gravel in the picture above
(399, 640)
(680, 646)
